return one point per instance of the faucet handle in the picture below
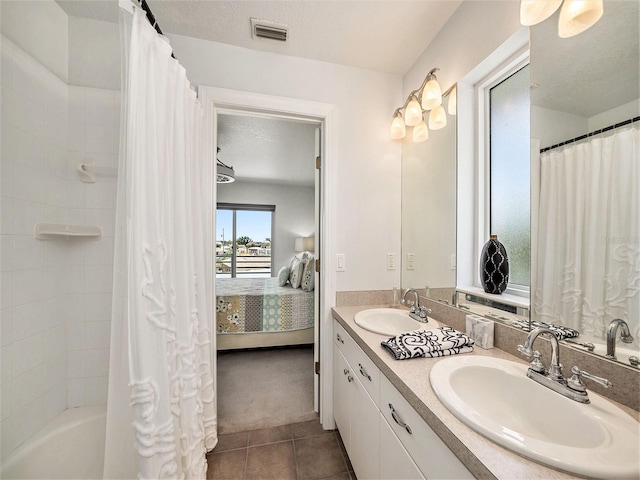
(576, 383)
(424, 311)
(536, 365)
(525, 351)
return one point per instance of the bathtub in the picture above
(70, 446)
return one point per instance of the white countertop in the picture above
(483, 458)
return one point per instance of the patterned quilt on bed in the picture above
(260, 305)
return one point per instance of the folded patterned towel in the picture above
(428, 343)
(559, 331)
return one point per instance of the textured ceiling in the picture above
(384, 35)
(267, 149)
(600, 64)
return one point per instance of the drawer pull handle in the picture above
(349, 378)
(396, 418)
(346, 370)
(339, 338)
(364, 373)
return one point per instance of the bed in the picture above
(257, 312)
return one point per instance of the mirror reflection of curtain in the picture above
(588, 242)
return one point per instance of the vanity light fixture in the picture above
(437, 118)
(576, 16)
(426, 99)
(413, 112)
(420, 132)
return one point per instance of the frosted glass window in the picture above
(510, 172)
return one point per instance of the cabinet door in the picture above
(430, 453)
(395, 462)
(342, 388)
(365, 434)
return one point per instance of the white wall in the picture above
(41, 282)
(552, 127)
(56, 298)
(94, 53)
(294, 216)
(367, 182)
(39, 28)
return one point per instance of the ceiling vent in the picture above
(269, 30)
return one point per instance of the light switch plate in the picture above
(391, 261)
(411, 257)
(340, 263)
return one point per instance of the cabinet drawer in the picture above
(367, 372)
(432, 456)
(343, 340)
(361, 365)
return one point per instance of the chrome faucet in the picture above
(573, 388)
(612, 330)
(416, 311)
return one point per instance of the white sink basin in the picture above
(391, 321)
(495, 398)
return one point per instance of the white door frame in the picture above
(216, 99)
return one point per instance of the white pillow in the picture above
(297, 265)
(283, 275)
(308, 275)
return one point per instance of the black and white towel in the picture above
(559, 331)
(428, 343)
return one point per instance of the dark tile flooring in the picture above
(297, 451)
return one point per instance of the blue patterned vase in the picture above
(494, 266)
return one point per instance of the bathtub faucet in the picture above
(612, 330)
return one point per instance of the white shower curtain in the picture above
(161, 417)
(588, 242)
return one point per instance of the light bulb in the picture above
(431, 94)
(420, 132)
(578, 15)
(535, 11)
(413, 113)
(437, 118)
(398, 130)
(452, 106)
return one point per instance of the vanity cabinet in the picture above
(383, 435)
(355, 412)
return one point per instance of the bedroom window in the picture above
(243, 240)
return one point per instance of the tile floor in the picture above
(297, 451)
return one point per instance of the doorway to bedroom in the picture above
(267, 236)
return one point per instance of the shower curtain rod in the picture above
(590, 134)
(152, 19)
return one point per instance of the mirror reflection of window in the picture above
(509, 204)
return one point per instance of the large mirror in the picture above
(585, 232)
(579, 84)
(429, 212)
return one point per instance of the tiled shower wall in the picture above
(56, 299)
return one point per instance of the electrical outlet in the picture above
(340, 263)
(391, 261)
(411, 261)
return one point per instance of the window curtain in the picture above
(588, 240)
(161, 417)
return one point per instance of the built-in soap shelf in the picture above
(45, 231)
